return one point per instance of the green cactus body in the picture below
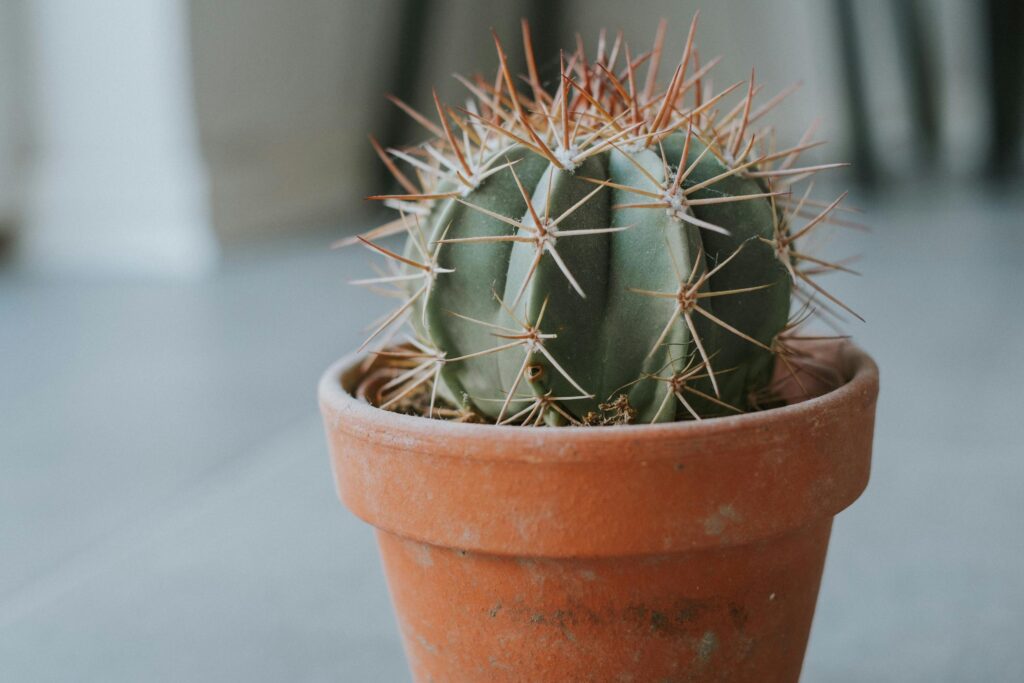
(605, 332)
(609, 249)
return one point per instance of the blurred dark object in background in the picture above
(1005, 23)
(1002, 24)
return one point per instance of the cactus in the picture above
(610, 251)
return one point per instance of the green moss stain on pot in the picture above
(716, 522)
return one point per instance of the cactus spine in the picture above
(608, 246)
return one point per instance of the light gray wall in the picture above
(13, 115)
(286, 93)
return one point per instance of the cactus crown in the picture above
(618, 249)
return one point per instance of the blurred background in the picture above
(171, 173)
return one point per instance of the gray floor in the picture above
(166, 511)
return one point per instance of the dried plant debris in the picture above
(615, 412)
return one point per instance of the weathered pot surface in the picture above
(686, 551)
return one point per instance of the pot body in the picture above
(674, 552)
(738, 613)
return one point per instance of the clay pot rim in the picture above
(569, 443)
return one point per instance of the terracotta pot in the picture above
(688, 551)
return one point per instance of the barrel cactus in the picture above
(606, 249)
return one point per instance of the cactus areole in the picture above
(603, 247)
